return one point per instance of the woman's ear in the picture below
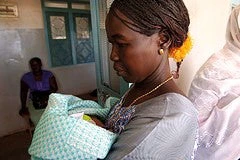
(164, 40)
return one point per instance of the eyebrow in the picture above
(118, 36)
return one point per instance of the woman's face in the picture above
(135, 55)
(35, 66)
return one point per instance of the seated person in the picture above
(215, 91)
(40, 83)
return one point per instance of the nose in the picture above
(114, 54)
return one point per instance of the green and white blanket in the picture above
(61, 136)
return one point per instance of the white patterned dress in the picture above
(162, 128)
(215, 92)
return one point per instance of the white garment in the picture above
(215, 92)
(162, 128)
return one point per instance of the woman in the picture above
(215, 91)
(154, 119)
(41, 84)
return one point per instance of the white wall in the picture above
(30, 15)
(208, 25)
(20, 39)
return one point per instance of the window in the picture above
(69, 31)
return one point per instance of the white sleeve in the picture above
(173, 138)
(204, 94)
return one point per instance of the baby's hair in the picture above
(152, 16)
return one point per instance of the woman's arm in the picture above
(173, 138)
(158, 132)
(53, 84)
(204, 94)
(23, 96)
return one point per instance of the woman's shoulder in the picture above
(220, 66)
(157, 128)
(178, 103)
(27, 76)
(170, 103)
(47, 73)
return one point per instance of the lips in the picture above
(119, 68)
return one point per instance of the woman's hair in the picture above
(151, 16)
(35, 59)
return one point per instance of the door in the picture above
(108, 82)
(59, 38)
(82, 38)
(69, 31)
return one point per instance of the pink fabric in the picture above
(215, 92)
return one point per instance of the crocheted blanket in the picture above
(58, 135)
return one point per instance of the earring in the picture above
(175, 74)
(160, 51)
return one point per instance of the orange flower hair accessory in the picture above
(178, 54)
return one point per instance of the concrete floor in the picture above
(15, 146)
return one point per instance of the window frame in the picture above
(70, 12)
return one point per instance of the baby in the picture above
(64, 131)
(92, 119)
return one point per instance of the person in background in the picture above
(39, 84)
(154, 119)
(215, 91)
